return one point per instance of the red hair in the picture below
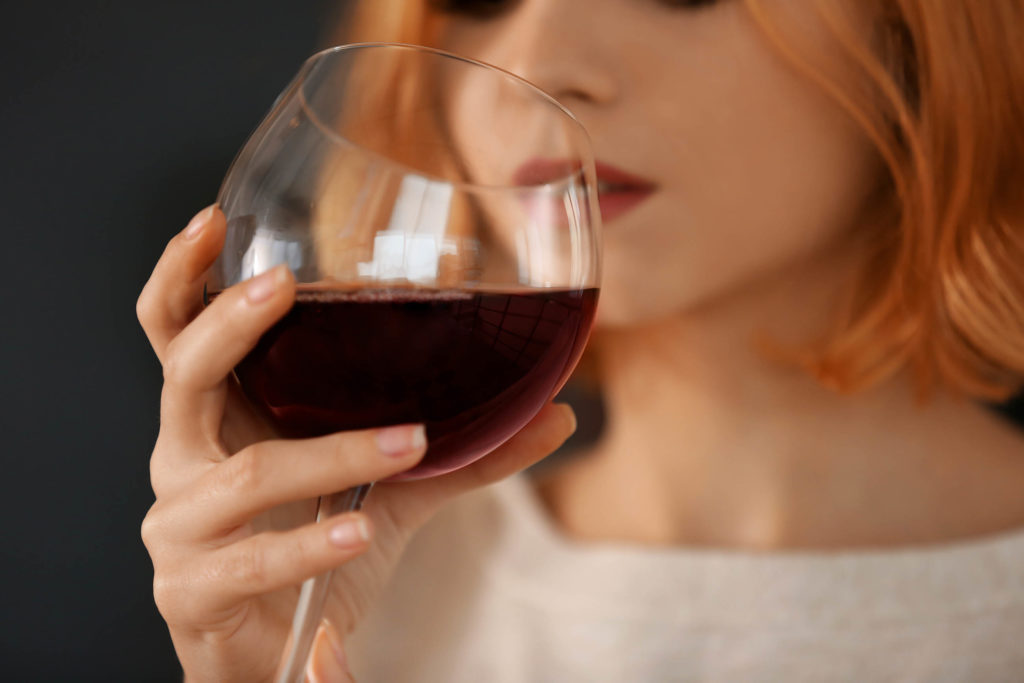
(938, 86)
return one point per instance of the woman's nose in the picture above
(559, 46)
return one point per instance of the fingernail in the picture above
(262, 287)
(569, 414)
(350, 532)
(337, 647)
(326, 666)
(401, 440)
(196, 225)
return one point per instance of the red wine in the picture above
(474, 367)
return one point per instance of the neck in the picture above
(709, 442)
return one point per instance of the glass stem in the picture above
(313, 595)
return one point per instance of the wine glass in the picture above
(440, 218)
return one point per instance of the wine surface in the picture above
(473, 366)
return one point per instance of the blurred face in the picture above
(720, 166)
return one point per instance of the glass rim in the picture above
(586, 154)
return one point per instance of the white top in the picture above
(490, 592)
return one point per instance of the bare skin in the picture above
(763, 190)
(229, 533)
(763, 186)
(710, 444)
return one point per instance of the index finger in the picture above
(173, 295)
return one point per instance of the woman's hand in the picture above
(229, 533)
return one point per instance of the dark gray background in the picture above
(118, 119)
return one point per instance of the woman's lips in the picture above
(618, 191)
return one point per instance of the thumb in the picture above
(327, 661)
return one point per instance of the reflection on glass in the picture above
(440, 218)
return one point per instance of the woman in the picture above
(793, 481)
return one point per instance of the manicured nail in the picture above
(401, 440)
(196, 225)
(349, 532)
(325, 666)
(337, 647)
(262, 287)
(569, 414)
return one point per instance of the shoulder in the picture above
(973, 460)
